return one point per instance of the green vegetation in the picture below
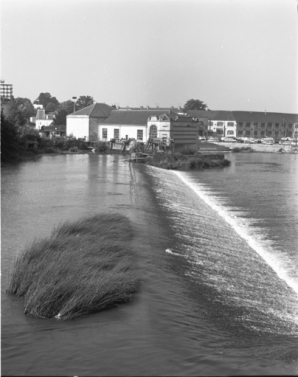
(84, 267)
(194, 104)
(242, 149)
(187, 161)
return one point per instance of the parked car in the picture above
(213, 139)
(228, 139)
(202, 138)
(267, 140)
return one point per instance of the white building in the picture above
(6, 90)
(128, 124)
(83, 124)
(43, 119)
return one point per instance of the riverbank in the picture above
(263, 148)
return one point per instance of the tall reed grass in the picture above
(82, 268)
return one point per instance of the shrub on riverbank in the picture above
(186, 162)
(242, 149)
(82, 268)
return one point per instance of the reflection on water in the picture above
(196, 309)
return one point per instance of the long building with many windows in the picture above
(251, 124)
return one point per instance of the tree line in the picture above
(19, 110)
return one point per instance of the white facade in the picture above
(78, 126)
(163, 127)
(106, 132)
(225, 128)
(42, 122)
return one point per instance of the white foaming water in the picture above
(274, 262)
(169, 251)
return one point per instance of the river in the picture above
(217, 255)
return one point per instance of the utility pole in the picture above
(74, 103)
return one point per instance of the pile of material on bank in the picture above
(82, 268)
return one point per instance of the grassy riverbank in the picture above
(188, 160)
(82, 268)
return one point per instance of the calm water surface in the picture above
(217, 253)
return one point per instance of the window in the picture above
(219, 131)
(276, 125)
(296, 125)
(262, 125)
(256, 124)
(116, 133)
(139, 134)
(240, 124)
(290, 125)
(230, 133)
(240, 133)
(269, 133)
(220, 124)
(230, 124)
(276, 133)
(255, 134)
(262, 133)
(153, 131)
(269, 125)
(247, 124)
(104, 133)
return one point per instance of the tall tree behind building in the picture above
(84, 101)
(48, 102)
(195, 104)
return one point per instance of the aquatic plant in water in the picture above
(82, 268)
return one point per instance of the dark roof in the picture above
(255, 116)
(212, 114)
(61, 128)
(97, 110)
(134, 116)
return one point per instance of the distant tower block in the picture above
(5, 90)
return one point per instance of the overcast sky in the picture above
(231, 54)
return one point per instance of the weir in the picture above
(270, 259)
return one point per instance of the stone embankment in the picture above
(274, 148)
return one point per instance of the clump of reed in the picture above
(82, 268)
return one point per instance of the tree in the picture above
(84, 101)
(9, 140)
(195, 104)
(26, 106)
(50, 107)
(67, 106)
(16, 114)
(45, 98)
(60, 118)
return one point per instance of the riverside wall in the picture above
(274, 148)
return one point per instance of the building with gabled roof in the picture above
(83, 124)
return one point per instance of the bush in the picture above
(82, 268)
(73, 149)
(50, 150)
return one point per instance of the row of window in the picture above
(221, 124)
(263, 133)
(248, 124)
(117, 134)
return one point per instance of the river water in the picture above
(217, 255)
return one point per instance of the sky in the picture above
(230, 54)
